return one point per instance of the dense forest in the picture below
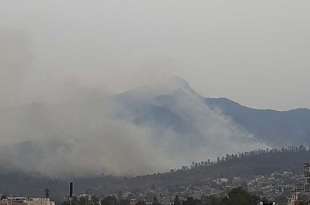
(245, 165)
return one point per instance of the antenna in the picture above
(307, 176)
(71, 190)
(47, 193)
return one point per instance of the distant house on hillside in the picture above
(301, 195)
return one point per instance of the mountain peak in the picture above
(178, 82)
(164, 86)
(168, 84)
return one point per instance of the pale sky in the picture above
(254, 52)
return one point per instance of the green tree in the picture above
(238, 196)
(177, 200)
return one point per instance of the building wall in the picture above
(26, 201)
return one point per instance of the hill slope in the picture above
(276, 128)
(141, 131)
(244, 165)
(160, 107)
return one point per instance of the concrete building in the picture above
(302, 193)
(26, 201)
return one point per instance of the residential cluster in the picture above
(25, 201)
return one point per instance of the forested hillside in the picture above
(244, 165)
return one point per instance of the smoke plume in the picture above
(57, 122)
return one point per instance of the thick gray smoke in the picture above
(15, 62)
(57, 121)
(82, 136)
(77, 130)
(76, 139)
(62, 63)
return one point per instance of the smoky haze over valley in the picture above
(91, 88)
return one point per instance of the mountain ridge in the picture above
(228, 100)
(276, 128)
(161, 127)
(261, 122)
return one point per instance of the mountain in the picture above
(175, 111)
(276, 128)
(152, 107)
(144, 130)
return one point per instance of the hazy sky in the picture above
(255, 52)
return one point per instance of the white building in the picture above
(26, 201)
